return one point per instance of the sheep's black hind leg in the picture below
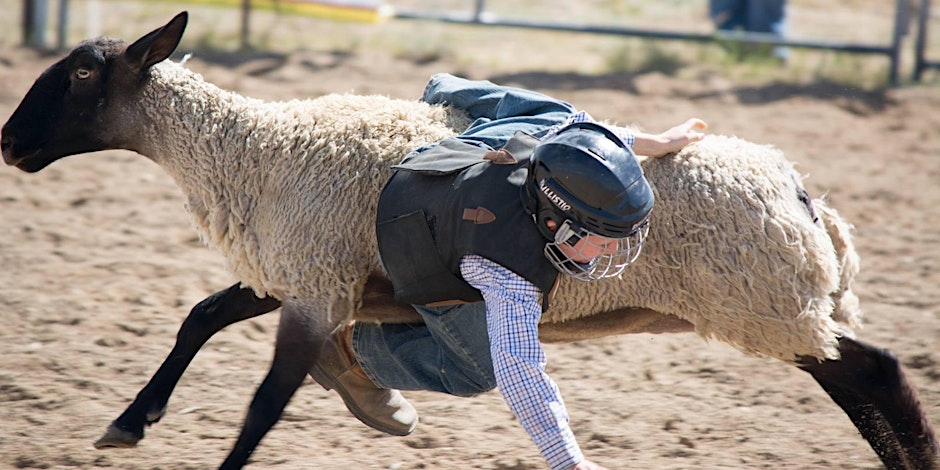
(300, 337)
(870, 386)
(217, 311)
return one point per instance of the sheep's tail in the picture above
(847, 311)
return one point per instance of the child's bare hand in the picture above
(671, 140)
(683, 134)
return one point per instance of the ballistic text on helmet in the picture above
(556, 199)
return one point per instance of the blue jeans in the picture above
(758, 16)
(498, 111)
(450, 351)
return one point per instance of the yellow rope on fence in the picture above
(361, 11)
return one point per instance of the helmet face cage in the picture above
(600, 260)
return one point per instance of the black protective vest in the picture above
(454, 199)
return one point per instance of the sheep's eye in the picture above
(82, 74)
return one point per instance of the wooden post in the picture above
(920, 61)
(25, 23)
(34, 23)
(246, 13)
(902, 20)
(478, 12)
(63, 27)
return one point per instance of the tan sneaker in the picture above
(379, 408)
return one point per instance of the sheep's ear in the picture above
(158, 44)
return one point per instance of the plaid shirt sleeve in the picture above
(512, 316)
(583, 116)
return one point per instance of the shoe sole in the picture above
(327, 383)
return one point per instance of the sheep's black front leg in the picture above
(870, 386)
(208, 317)
(300, 337)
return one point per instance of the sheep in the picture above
(287, 192)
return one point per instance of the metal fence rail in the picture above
(479, 16)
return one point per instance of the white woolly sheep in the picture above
(288, 192)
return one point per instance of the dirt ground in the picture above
(99, 265)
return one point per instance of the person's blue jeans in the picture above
(450, 352)
(759, 16)
(498, 111)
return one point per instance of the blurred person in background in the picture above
(753, 16)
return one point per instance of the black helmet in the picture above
(587, 174)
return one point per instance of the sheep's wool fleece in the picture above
(288, 192)
(733, 250)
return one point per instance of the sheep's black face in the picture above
(59, 115)
(69, 108)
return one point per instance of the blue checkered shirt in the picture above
(512, 319)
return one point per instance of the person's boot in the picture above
(380, 408)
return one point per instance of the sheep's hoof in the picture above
(155, 416)
(116, 437)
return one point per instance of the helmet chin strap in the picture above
(564, 233)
